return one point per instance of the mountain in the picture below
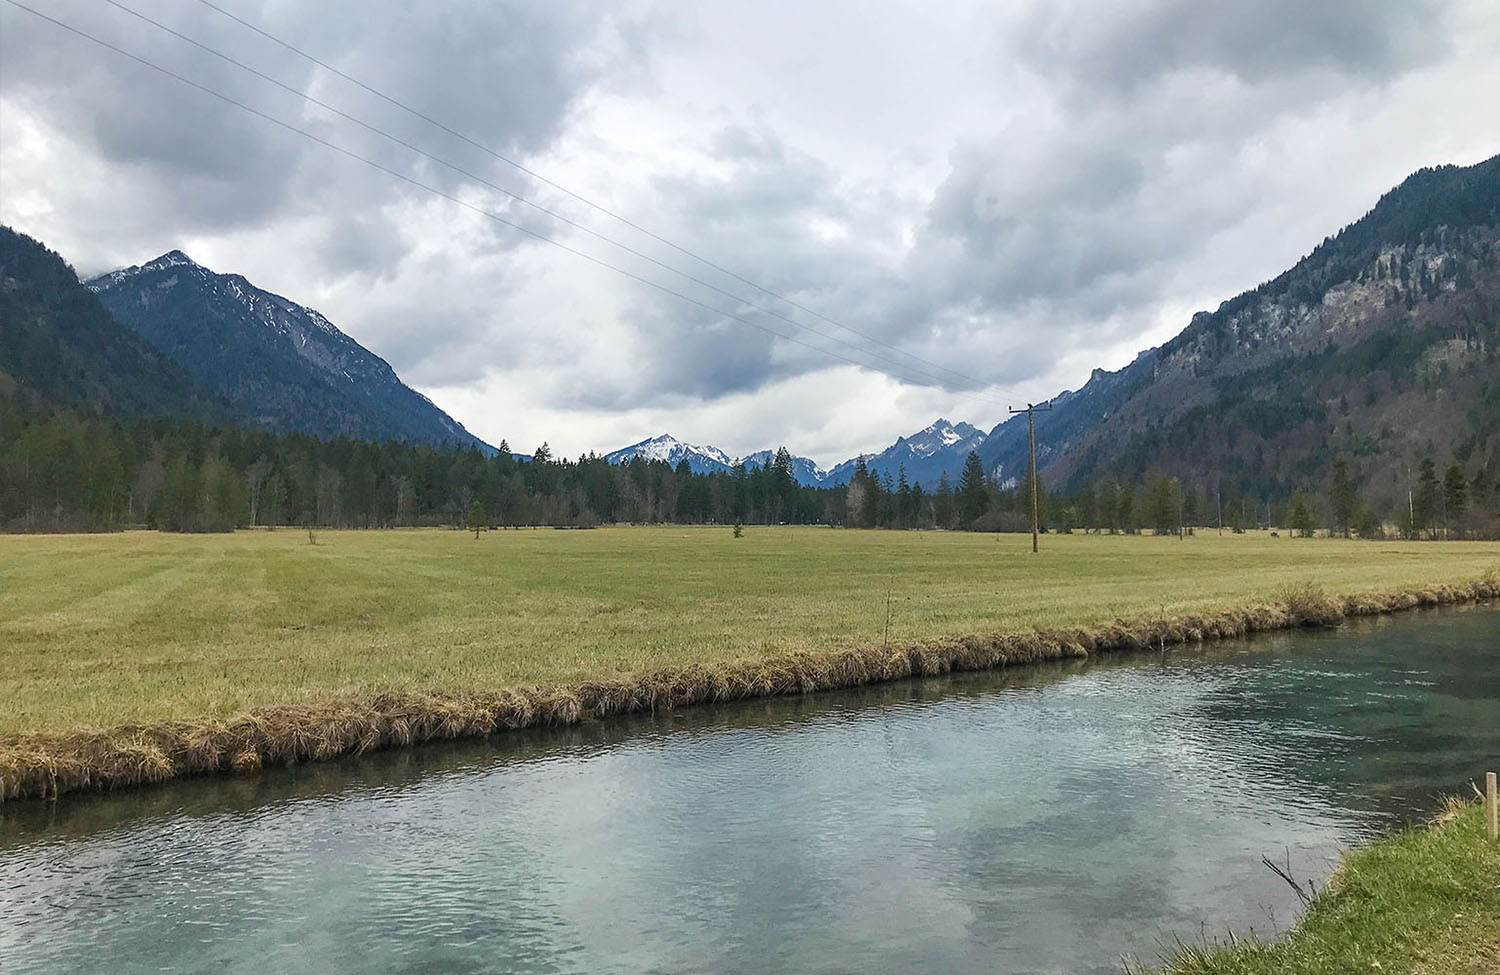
(701, 460)
(1006, 452)
(939, 449)
(927, 455)
(804, 470)
(278, 365)
(60, 348)
(1382, 346)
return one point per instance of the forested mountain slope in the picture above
(280, 366)
(61, 349)
(1382, 346)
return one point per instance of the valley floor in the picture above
(98, 631)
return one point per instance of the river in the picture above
(1058, 818)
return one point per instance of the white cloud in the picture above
(1018, 194)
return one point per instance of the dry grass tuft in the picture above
(37, 766)
(1311, 605)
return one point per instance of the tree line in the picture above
(70, 471)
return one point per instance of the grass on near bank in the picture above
(1421, 902)
(102, 630)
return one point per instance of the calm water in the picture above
(1051, 820)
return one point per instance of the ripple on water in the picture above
(1043, 819)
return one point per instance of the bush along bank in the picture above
(48, 766)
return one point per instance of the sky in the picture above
(952, 208)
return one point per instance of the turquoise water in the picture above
(1051, 819)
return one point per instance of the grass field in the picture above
(102, 630)
(1422, 901)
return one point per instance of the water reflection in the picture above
(1037, 820)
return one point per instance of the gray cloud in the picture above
(1010, 194)
(1122, 46)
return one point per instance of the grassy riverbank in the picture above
(136, 657)
(1424, 901)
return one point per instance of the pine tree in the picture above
(1189, 510)
(1088, 514)
(905, 509)
(1125, 508)
(1425, 499)
(478, 520)
(1455, 497)
(1161, 504)
(973, 498)
(784, 483)
(1108, 500)
(1342, 500)
(1300, 517)
(942, 503)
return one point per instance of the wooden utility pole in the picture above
(1030, 412)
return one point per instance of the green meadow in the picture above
(102, 630)
(1422, 901)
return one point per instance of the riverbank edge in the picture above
(1376, 914)
(49, 766)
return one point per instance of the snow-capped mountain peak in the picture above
(669, 449)
(942, 435)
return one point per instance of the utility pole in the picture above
(1030, 412)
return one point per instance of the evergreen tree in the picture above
(942, 502)
(905, 507)
(1161, 504)
(1189, 511)
(1342, 501)
(478, 521)
(1455, 497)
(1369, 525)
(973, 498)
(1424, 505)
(784, 483)
(1108, 501)
(1300, 517)
(874, 504)
(1087, 509)
(1125, 508)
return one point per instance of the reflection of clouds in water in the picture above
(1021, 820)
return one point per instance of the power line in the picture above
(435, 191)
(416, 113)
(924, 373)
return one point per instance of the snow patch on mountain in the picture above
(670, 450)
(924, 456)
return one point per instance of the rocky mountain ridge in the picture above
(278, 364)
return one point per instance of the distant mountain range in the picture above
(1381, 347)
(925, 457)
(275, 363)
(708, 460)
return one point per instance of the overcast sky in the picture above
(997, 197)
